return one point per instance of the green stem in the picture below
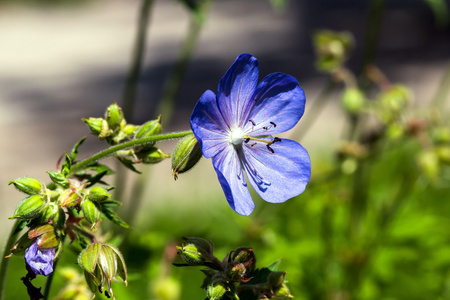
(173, 85)
(17, 227)
(112, 150)
(129, 92)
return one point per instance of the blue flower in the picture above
(40, 260)
(235, 128)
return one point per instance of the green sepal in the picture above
(91, 211)
(88, 257)
(29, 207)
(149, 128)
(186, 155)
(114, 116)
(121, 266)
(21, 245)
(152, 155)
(98, 193)
(58, 215)
(92, 282)
(98, 126)
(59, 179)
(107, 260)
(27, 185)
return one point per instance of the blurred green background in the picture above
(373, 222)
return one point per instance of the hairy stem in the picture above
(112, 150)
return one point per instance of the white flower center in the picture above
(236, 136)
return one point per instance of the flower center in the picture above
(236, 136)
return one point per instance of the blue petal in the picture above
(208, 125)
(40, 261)
(277, 176)
(279, 103)
(234, 95)
(232, 179)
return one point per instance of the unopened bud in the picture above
(91, 211)
(27, 185)
(97, 193)
(395, 98)
(353, 100)
(245, 256)
(98, 126)
(69, 198)
(186, 154)
(59, 179)
(195, 251)
(216, 290)
(152, 156)
(235, 271)
(114, 116)
(29, 207)
(149, 128)
(276, 278)
(282, 292)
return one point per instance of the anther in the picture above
(253, 122)
(270, 149)
(265, 127)
(274, 125)
(247, 140)
(275, 140)
(253, 144)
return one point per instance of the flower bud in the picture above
(129, 129)
(69, 198)
(353, 100)
(97, 193)
(114, 116)
(149, 128)
(235, 271)
(216, 290)
(395, 98)
(196, 251)
(245, 256)
(29, 207)
(27, 185)
(276, 278)
(332, 49)
(152, 156)
(186, 154)
(46, 236)
(59, 179)
(98, 126)
(91, 211)
(58, 215)
(282, 292)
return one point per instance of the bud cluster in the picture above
(114, 129)
(236, 275)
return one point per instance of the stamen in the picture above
(274, 125)
(253, 122)
(270, 149)
(247, 140)
(275, 140)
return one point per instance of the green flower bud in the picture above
(69, 198)
(276, 279)
(282, 292)
(58, 215)
(395, 98)
(149, 128)
(191, 255)
(59, 179)
(114, 116)
(29, 208)
(91, 211)
(97, 193)
(129, 129)
(186, 154)
(98, 126)
(152, 156)
(27, 185)
(216, 290)
(332, 49)
(353, 100)
(245, 256)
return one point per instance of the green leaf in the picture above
(112, 216)
(74, 151)
(128, 163)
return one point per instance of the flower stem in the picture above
(112, 150)
(17, 227)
